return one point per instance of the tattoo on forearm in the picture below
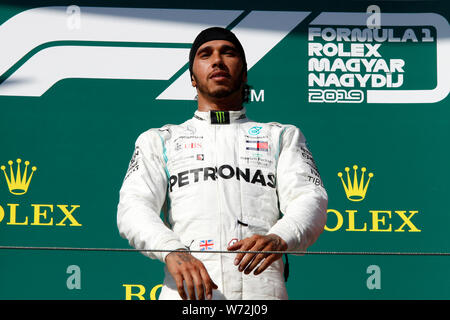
(183, 257)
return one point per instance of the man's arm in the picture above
(302, 196)
(247, 262)
(142, 196)
(303, 201)
(185, 267)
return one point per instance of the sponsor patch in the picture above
(257, 145)
(206, 245)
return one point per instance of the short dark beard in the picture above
(223, 93)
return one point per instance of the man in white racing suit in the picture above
(222, 181)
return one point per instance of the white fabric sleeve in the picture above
(142, 196)
(302, 198)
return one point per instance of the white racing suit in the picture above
(220, 177)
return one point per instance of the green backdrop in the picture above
(80, 134)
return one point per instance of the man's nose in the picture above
(217, 59)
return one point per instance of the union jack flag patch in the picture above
(206, 245)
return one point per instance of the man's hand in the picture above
(183, 266)
(248, 261)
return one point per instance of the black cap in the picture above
(215, 33)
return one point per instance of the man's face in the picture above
(218, 69)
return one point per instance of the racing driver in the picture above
(225, 183)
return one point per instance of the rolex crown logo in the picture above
(355, 191)
(18, 183)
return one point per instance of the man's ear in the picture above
(193, 82)
(244, 77)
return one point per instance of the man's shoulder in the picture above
(273, 125)
(166, 131)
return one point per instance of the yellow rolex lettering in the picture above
(129, 291)
(351, 222)
(153, 292)
(2, 213)
(68, 215)
(376, 220)
(38, 214)
(340, 220)
(12, 215)
(407, 221)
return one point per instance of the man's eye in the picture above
(204, 55)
